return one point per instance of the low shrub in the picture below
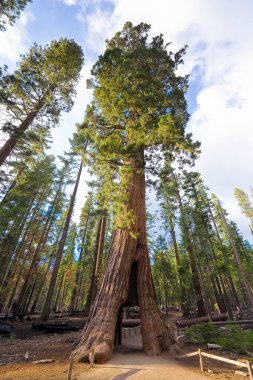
(233, 337)
(202, 333)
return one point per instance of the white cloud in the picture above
(70, 2)
(100, 25)
(15, 40)
(99, 22)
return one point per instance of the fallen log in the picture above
(190, 322)
(59, 326)
(70, 325)
(131, 322)
(6, 328)
(44, 325)
(31, 317)
(4, 316)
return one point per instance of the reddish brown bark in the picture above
(114, 291)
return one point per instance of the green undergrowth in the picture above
(233, 337)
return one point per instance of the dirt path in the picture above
(138, 366)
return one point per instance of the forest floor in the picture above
(128, 361)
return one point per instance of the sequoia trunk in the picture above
(127, 252)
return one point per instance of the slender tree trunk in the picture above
(77, 278)
(35, 261)
(128, 256)
(64, 288)
(80, 303)
(41, 286)
(42, 241)
(190, 252)
(26, 306)
(96, 263)
(10, 144)
(217, 294)
(19, 256)
(207, 305)
(226, 261)
(202, 311)
(56, 301)
(14, 289)
(47, 305)
(219, 281)
(73, 304)
(183, 301)
(21, 227)
(5, 257)
(248, 295)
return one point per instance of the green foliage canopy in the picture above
(44, 81)
(139, 106)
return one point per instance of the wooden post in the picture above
(201, 363)
(249, 366)
(70, 368)
(91, 357)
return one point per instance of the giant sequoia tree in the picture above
(37, 92)
(139, 110)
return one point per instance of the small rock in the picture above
(43, 361)
(211, 346)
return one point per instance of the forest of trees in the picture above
(186, 253)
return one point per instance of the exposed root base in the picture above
(97, 350)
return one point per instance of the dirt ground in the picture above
(27, 345)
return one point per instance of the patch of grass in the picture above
(235, 338)
(13, 338)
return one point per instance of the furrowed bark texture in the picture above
(126, 252)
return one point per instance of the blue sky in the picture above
(219, 59)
